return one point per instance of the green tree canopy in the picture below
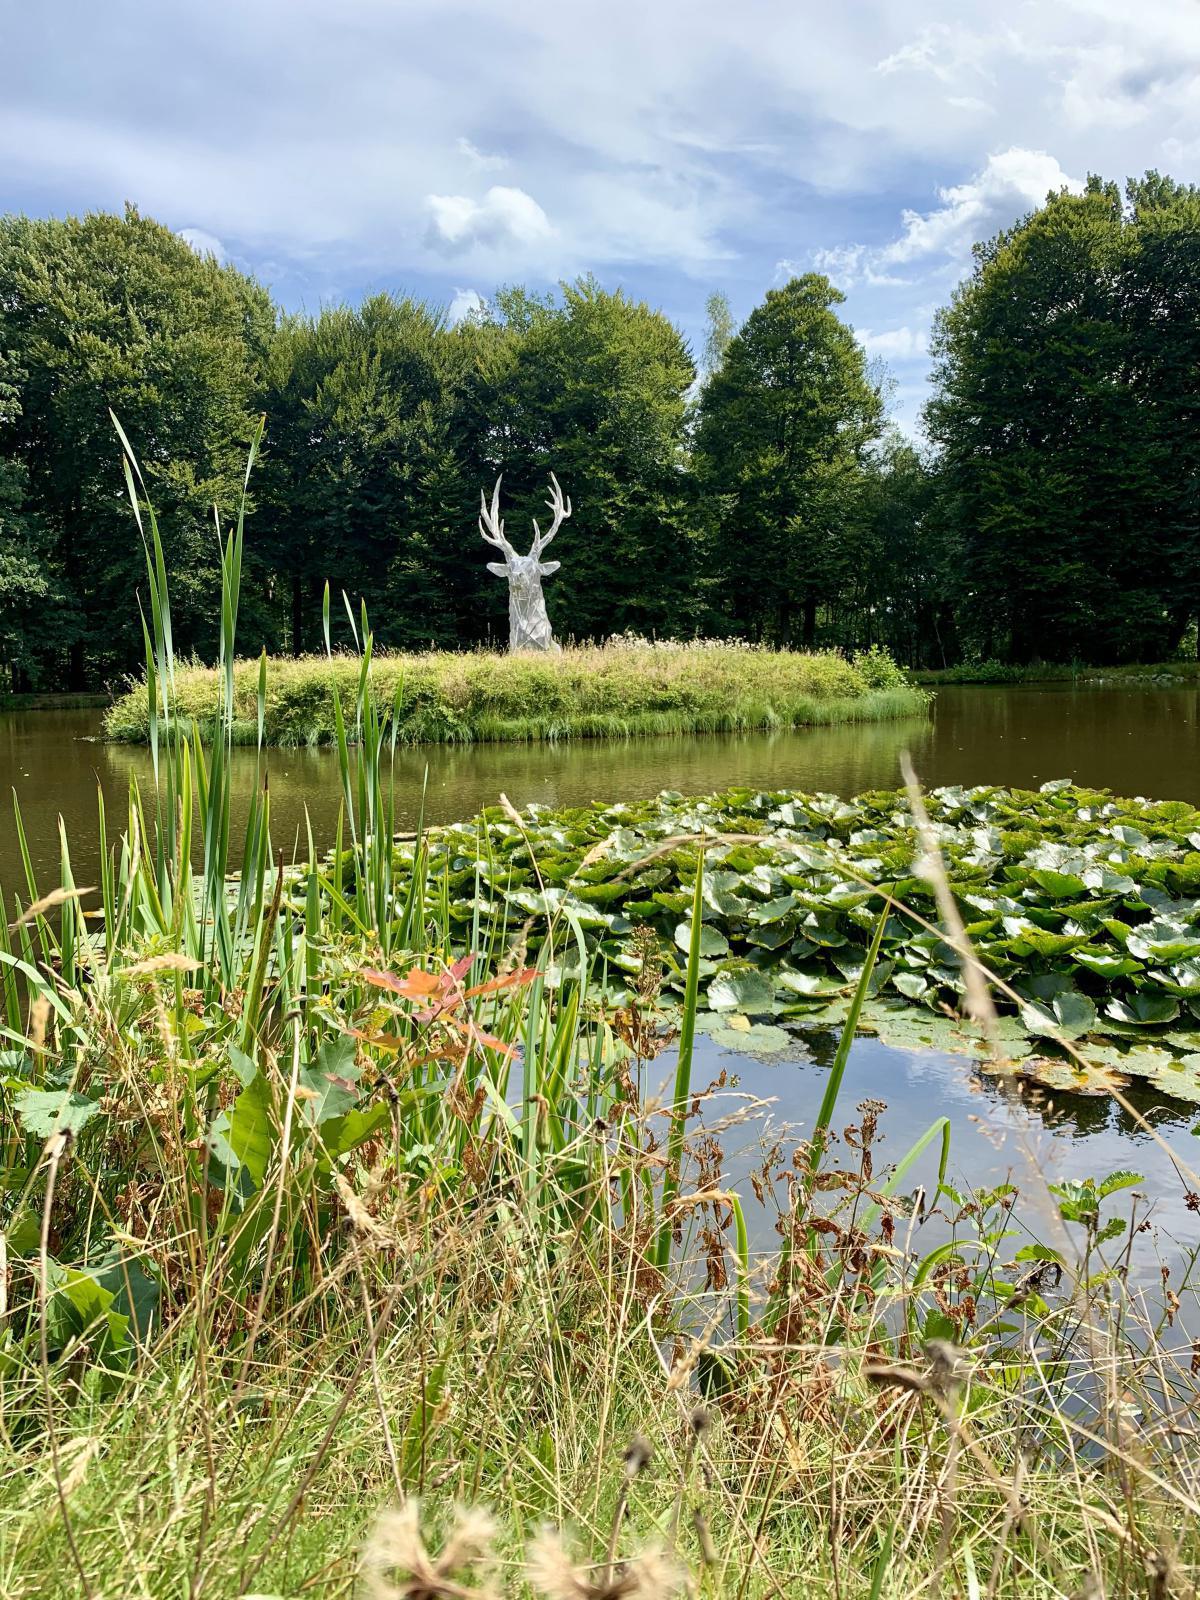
(1066, 422)
(785, 425)
(36, 624)
(358, 407)
(107, 312)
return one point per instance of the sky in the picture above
(441, 149)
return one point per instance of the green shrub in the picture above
(879, 670)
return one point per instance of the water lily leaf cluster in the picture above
(1086, 905)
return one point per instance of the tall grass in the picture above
(623, 689)
(315, 1201)
(1179, 671)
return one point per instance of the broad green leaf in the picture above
(46, 1111)
(79, 1304)
(340, 1135)
(761, 1038)
(713, 942)
(1066, 1016)
(1106, 963)
(1059, 885)
(330, 1082)
(242, 1139)
(744, 989)
(1143, 1009)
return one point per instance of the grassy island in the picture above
(623, 688)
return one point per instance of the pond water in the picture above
(1143, 741)
(1001, 1131)
(1134, 741)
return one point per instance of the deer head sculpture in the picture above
(528, 625)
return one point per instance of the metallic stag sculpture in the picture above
(528, 625)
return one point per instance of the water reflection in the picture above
(1135, 741)
(999, 1133)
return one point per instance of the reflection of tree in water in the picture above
(1069, 1116)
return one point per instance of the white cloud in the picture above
(503, 216)
(1010, 184)
(843, 262)
(971, 103)
(204, 244)
(479, 158)
(918, 54)
(672, 148)
(847, 264)
(895, 344)
(1095, 91)
(466, 303)
(1178, 151)
(950, 53)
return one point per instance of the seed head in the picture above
(397, 1565)
(553, 1572)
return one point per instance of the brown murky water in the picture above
(1134, 741)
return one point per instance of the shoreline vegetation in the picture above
(1160, 674)
(354, 1245)
(625, 688)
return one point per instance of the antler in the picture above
(561, 509)
(491, 523)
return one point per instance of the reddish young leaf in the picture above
(513, 980)
(416, 984)
(382, 1041)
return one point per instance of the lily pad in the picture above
(1053, 1072)
(1078, 899)
(760, 1039)
(1143, 1010)
(1067, 1016)
(742, 989)
(713, 942)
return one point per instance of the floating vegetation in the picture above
(1086, 906)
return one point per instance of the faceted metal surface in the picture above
(528, 625)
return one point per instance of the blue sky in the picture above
(669, 147)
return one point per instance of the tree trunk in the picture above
(808, 631)
(297, 614)
(76, 676)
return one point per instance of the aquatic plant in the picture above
(1085, 906)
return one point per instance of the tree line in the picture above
(762, 493)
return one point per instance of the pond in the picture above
(1133, 741)
(1141, 741)
(1001, 1131)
